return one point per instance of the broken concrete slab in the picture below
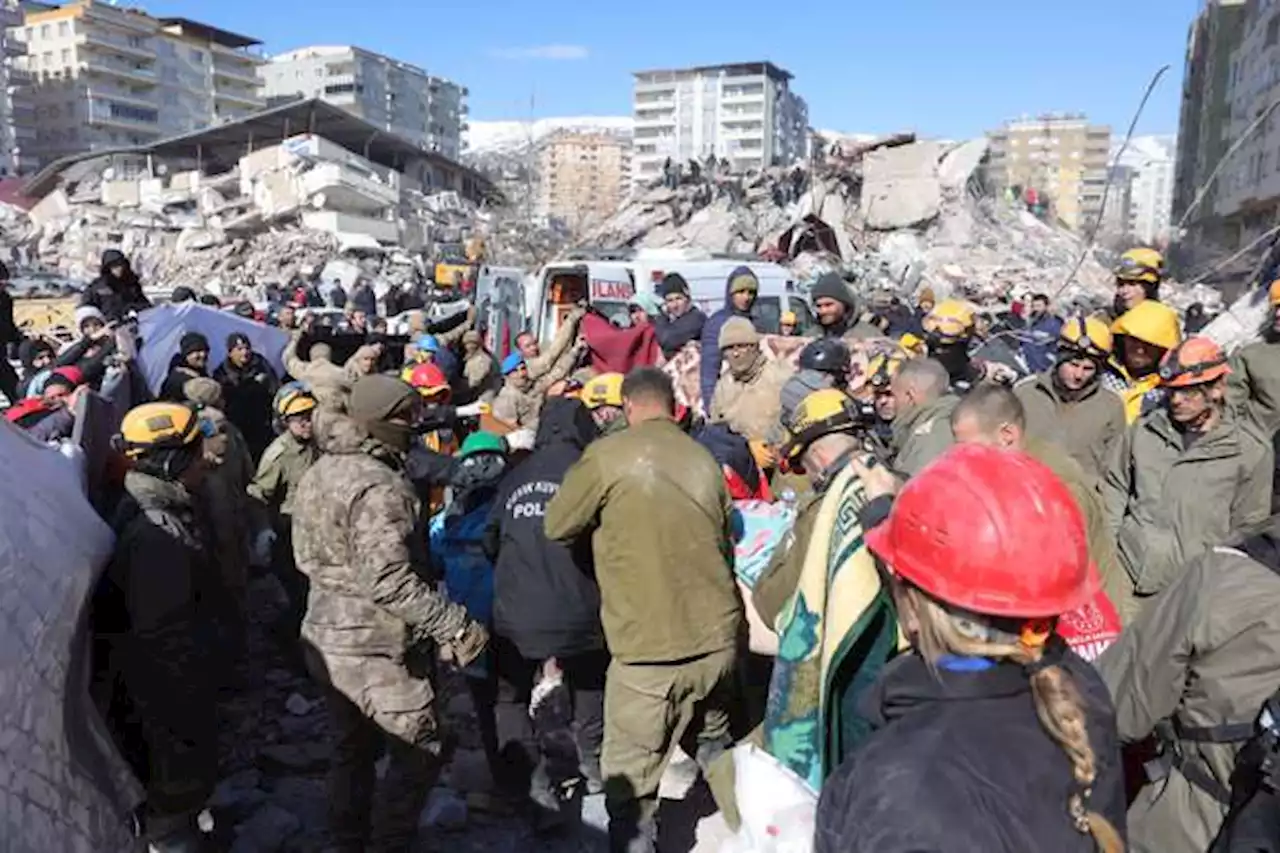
(960, 164)
(901, 187)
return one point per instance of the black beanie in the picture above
(182, 293)
(193, 342)
(236, 339)
(673, 282)
(831, 286)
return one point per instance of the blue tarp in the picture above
(161, 329)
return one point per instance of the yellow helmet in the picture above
(912, 345)
(602, 390)
(950, 321)
(819, 413)
(1087, 335)
(293, 399)
(882, 368)
(1144, 265)
(788, 318)
(1151, 322)
(158, 426)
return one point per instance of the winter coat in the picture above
(959, 761)
(709, 368)
(750, 404)
(1253, 388)
(1041, 351)
(173, 388)
(922, 434)
(357, 536)
(248, 393)
(655, 504)
(115, 297)
(673, 334)
(222, 495)
(456, 539)
(276, 481)
(1166, 504)
(90, 355)
(1088, 428)
(1204, 653)
(365, 300)
(546, 601)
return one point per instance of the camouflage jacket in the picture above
(283, 464)
(356, 535)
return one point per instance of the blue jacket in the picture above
(709, 370)
(1041, 348)
(457, 549)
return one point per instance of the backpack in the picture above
(1252, 824)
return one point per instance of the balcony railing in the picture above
(95, 39)
(129, 72)
(239, 74)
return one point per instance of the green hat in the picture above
(482, 442)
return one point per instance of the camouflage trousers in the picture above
(649, 709)
(374, 704)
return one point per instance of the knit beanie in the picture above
(671, 283)
(193, 342)
(926, 295)
(88, 312)
(742, 279)
(238, 339)
(738, 331)
(647, 302)
(831, 286)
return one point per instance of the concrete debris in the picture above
(1242, 322)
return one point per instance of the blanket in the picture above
(614, 350)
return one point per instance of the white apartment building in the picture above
(428, 110)
(745, 113)
(17, 115)
(1151, 195)
(102, 76)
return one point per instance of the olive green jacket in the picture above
(923, 434)
(1088, 428)
(1254, 386)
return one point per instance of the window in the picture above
(64, 29)
(66, 56)
(45, 31)
(197, 55)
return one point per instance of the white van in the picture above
(610, 280)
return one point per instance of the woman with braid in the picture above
(990, 734)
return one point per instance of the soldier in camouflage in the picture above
(374, 622)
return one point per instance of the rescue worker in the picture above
(191, 361)
(922, 412)
(948, 331)
(517, 403)
(787, 324)
(749, 396)
(1194, 669)
(273, 493)
(602, 395)
(438, 435)
(374, 622)
(1254, 387)
(116, 291)
(1186, 475)
(1138, 277)
(679, 323)
(985, 549)
(560, 358)
(925, 304)
(740, 293)
(480, 379)
(670, 607)
(880, 373)
(1143, 336)
(993, 415)
(1067, 403)
(155, 617)
(837, 309)
(249, 384)
(823, 363)
(328, 382)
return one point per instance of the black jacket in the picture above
(545, 600)
(959, 761)
(248, 393)
(674, 334)
(172, 389)
(9, 333)
(366, 300)
(115, 297)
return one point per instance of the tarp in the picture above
(161, 329)
(64, 788)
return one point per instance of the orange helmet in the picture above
(1194, 362)
(430, 381)
(1273, 292)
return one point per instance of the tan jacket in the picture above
(329, 382)
(555, 364)
(1207, 652)
(922, 435)
(1167, 504)
(1088, 428)
(480, 374)
(1254, 386)
(517, 407)
(751, 404)
(655, 505)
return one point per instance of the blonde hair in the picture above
(1058, 703)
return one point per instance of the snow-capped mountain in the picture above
(490, 136)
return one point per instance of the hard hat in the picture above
(293, 398)
(429, 379)
(950, 322)
(482, 442)
(882, 368)
(1273, 292)
(1144, 265)
(1087, 335)
(427, 343)
(820, 413)
(158, 426)
(991, 531)
(1193, 362)
(912, 345)
(1150, 322)
(512, 363)
(602, 390)
(788, 318)
(825, 355)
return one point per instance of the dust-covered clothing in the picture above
(751, 404)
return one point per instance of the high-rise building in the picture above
(1061, 157)
(400, 97)
(101, 76)
(745, 113)
(1118, 215)
(1206, 109)
(17, 115)
(582, 177)
(1151, 192)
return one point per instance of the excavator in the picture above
(458, 262)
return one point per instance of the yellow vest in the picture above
(1133, 394)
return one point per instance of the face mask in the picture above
(397, 436)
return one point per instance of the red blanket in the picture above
(615, 350)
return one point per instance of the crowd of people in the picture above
(1006, 603)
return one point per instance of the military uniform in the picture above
(329, 382)
(1088, 428)
(922, 434)
(373, 622)
(657, 506)
(272, 493)
(517, 406)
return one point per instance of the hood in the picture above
(564, 420)
(114, 256)
(29, 349)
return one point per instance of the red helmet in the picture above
(430, 380)
(992, 531)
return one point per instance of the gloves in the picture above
(262, 545)
(994, 371)
(468, 645)
(521, 439)
(473, 410)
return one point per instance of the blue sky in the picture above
(941, 67)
